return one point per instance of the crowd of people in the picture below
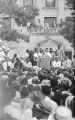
(44, 83)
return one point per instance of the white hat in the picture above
(0, 49)
(0, 41)
(7, 49)
(62, 113)
(45, 82)
(68, 100)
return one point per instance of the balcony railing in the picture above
(43, 30)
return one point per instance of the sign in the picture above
(50, 3)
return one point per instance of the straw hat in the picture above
(46, 82)
(0, 40)
(68, 100)
(62, 113)
(35, 80)
(65, 81)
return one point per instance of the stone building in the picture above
(51, 12)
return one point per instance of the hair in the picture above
(46, 48)
(64, 85)
(72, 104)
(54, 82)
(30, 87)
(46, 90)
(36, 49)
(27, 51)
(24, 92)
(63, 98)
(73, 56)
(57, 97)
(73, 87)
(15, 55)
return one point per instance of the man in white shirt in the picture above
(26, 54)
(56, 63)
(67, 62)
(47, 52)
(27, 64)
(2, 55)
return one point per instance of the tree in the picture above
(67, 26)
(70, 3)
(21, 15)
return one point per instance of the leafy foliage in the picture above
(70, 3)
(67, 29)
(13, 35)
(22, 15)
(67, 26)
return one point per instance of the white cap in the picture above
(0, 40)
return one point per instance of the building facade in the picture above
(51, 12)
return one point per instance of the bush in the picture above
(13, 35)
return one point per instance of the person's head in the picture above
(15, 55)
(66, 57)
(30, 87)
(64, 85)
(57, 97)
(37, 96)
(36, 49)
(46, 50)
(73, 56)
(54, 82)
(6, 59)
(70, 103)
(24, 92)
(51, 50)
(57, 58)
(27, 51)
(41, 50)
(46, 87)
(17, 60)
(46, 90)
(62, 113)
(6, 52)
(27, 59)
(65, 95)
(59, 46)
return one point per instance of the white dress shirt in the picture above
(56, 64)
(67, 63)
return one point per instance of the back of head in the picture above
(46, 90)
(24, 92)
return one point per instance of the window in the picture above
(50, 22)
(69, 54)
(28, 2)
(49, 3)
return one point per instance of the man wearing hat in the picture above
(61, 113)
(47, 105)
